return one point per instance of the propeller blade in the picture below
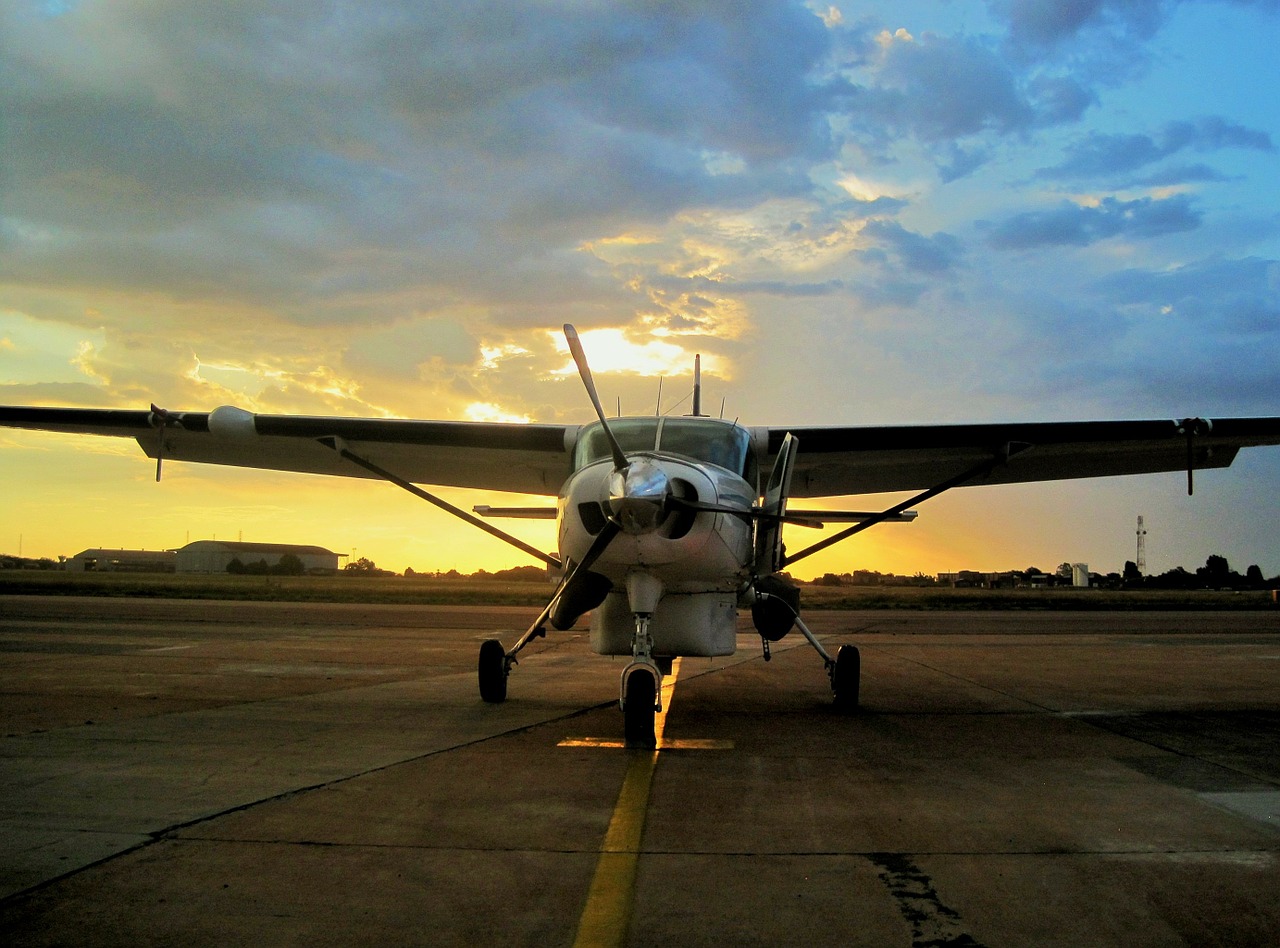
(598, 547)
(602, 541)
(584, 370)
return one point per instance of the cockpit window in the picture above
(705, 440)
(633, 434)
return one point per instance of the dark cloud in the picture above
(1171, 175)
(942, 88)
(1059, 99)
(56, 393)
(1102, 155)
(1041, 23)
(780, 288)
(1204, 336)
(1071, 224)
(917, 253)
(316, 153)
(1241, 297)
(960, 162)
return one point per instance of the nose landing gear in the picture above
(640, 705)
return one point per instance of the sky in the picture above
(857, 213)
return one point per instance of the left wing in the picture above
(526, 459)
(833, 462)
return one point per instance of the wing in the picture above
(838, 461)
(526, 459)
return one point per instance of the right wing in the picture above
(834, 461)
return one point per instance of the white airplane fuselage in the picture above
(685, 569)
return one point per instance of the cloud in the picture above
(1102, 155)
(1071, 224)
(75, 394)
(1044, 23)
(341, 209)
(314, 158)
(918, 254)
(940, 88)
(1208, 331)
(1238, 296)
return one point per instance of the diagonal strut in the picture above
(978, 470)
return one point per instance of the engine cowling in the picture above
(586, 592)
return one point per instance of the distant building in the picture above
(968, 579)
(1008, 579)
(123, 561)
(214, 556)
(1080, 575)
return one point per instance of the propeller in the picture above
(639, 489)
(584, 370)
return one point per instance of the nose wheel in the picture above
(640, 690)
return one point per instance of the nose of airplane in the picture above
(638, 495)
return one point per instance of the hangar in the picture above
(122, 561)
(215, 556)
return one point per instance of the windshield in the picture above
(701, 439)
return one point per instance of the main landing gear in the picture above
(844, 670)
(494, 667)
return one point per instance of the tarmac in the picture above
(219, 773)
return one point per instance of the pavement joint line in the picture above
(154, 836)
(742, 853)
(978, 684)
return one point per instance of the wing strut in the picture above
(160, 420)
(1192, 427)
(340, 446)
(986, 467)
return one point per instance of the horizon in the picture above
(61, 559)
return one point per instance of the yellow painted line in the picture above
(607, 914)
(678, 744)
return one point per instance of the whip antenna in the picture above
(697, 386)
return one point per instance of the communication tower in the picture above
(1141, 561)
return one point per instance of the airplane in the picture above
(668, 525)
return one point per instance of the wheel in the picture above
(844, 678)
(493, 671)
(642, 695)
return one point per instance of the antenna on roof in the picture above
(697, 386)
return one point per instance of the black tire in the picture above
(642, 695)
(844, 678)
(492, 669)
